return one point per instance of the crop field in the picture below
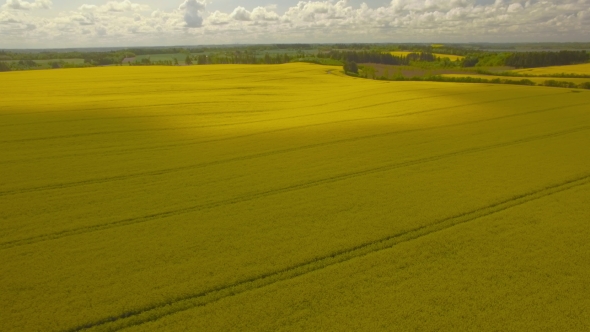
(181, 57)
(393, 71)
(290, 198)
(583, 69)
(536, 79)
(450, 56)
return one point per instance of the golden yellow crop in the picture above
(288, 197)
(582, 69)
(450, 56)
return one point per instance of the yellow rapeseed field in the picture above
(450, 56)
(290, 198)
(582, 69)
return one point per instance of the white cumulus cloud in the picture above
(264, 14)
(115, 6)
(25, 5)
(192, 12)
(240, 14)
(132, 22)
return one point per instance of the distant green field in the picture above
(287, 51)
(290, 198)
(538, 80)
(321, 61)
(181, 57)
(50, 61)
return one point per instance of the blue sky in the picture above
(84, 23)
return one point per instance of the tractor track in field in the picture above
(277, 191)
(175, 305)
(259, 155)
(245, 122)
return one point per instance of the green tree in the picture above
(470, 61)
(188, 60)
(351, 67)
(4, 66)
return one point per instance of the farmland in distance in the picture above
(449, 56)
(290, 197)
(581, 69)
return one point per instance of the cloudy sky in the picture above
(92, 23)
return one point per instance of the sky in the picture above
(110, 23)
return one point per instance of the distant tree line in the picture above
(95, 58)
(4, 66)
(364, 57)
(149, 62)
(377, 57)
(46, 55)
(450, 50)
(421, 55)
(243, 57)
(248, 54)
(439, 78)
(414, 48)
(31, 65)
(521, 74)
(351, 68)
(108, 58)
(162, 50)
(237, 57)
(545, 59)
